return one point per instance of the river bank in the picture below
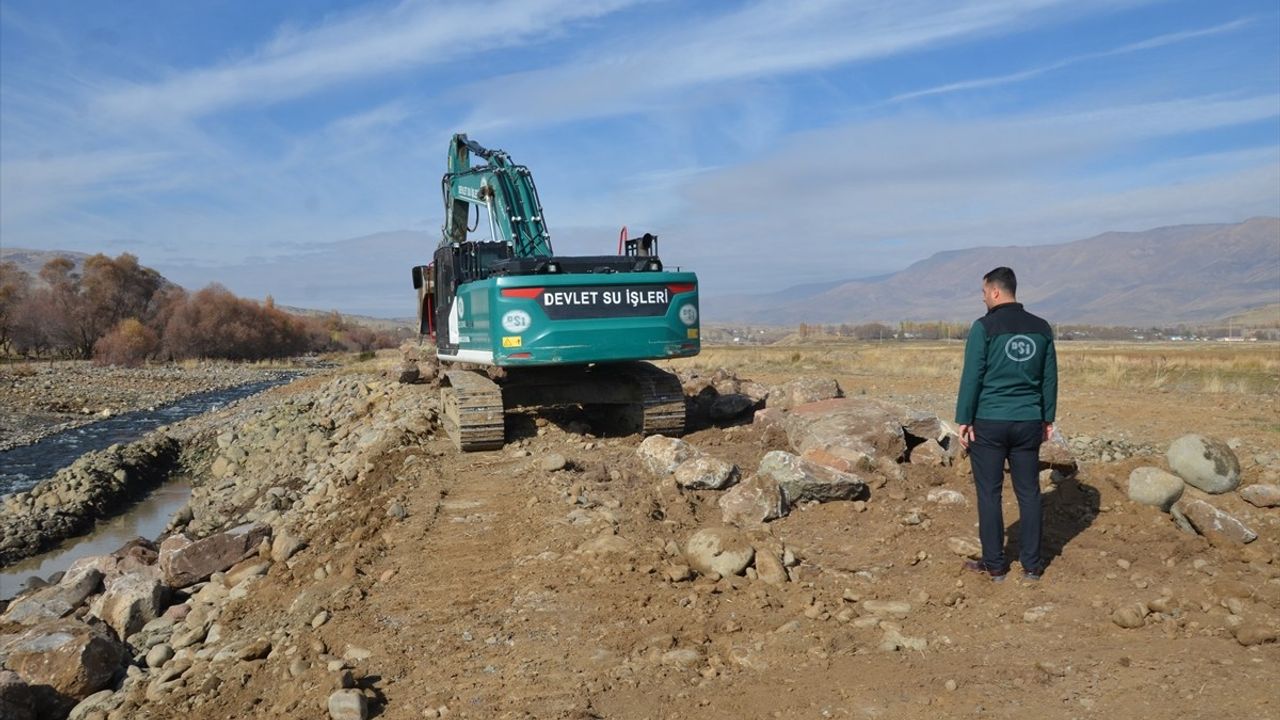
(38, 399)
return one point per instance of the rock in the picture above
(860, 430)
(802, 481)
(705, 473)
(1130, 616)
(553, 462)
(728, 407)
(662, 455)
(17, 702)
(681, 657)
(1055, 454)
(186, 562)
(964, 547)
(881, 608)
(753, 502)
(55, 601)
(96, 706)
(1212, 522)
(159, 655)
(678, 573)
(1155, 487)
(285, 545)
(801, 391)
(931, 452)
(250, 567)
(606, 544)
(723, 551)
(132, 601)
(1265, 496)
(945, 496)
(769, 568)
(1205, 463)
(408, 373)
(73, 659)
(1253, 633)
(348, 705)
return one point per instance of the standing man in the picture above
(1005, 409)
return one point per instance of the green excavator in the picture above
(565, 330)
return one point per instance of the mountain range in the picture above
(1164, 276)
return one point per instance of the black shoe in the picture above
(1033, 575)
(980, 567)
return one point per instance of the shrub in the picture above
(128, 343)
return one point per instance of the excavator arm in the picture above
(506, 190)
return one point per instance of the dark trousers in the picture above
(1018, 442)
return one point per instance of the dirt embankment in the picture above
(385, 575)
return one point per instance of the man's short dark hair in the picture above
(1003, 278)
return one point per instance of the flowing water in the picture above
(22, 467)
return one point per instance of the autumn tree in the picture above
(15, 285)
(128, 343)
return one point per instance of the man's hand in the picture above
(966, 436)
(1048, 431)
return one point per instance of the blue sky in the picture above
(295, 148)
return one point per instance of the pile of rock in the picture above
(1107, 449)
(1202, 467)
(143, 625)
(89, 489)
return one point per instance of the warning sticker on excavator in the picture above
(511, 341)
(693, 333)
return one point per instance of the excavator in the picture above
(560, 330)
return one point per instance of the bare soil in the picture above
(510, 591)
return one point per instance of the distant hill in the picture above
(1165, 276)
(30, 261)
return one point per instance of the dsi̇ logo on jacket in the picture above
(1020, 348)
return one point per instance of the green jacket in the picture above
(1010, 368)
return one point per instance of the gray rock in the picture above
(1212, 522)
(348, 705)
(1205, 463)
(553, 462)
(705, 473)
(55, 601)
(728, 407)
(946, 496)
(1155, 487)
(769, 568)
(803, 481)
(1265, 496)
(101, 702)
(131, 601)
(723, 551)
(753, 502)
(662, 455)
(931, 452)
(159, 655)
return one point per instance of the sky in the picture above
(295, 147)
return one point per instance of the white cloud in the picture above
(1010, 78)
(300, 62)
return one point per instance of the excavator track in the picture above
(472, 411)
(662, 399)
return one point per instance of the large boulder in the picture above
(1212, 522)
(70, 659)
(55, 601)
(723, 551)
(860, 430)
(804, 481)
(753, 502)
(186, 562)
(801, 391)
(662, 454)
(706, 473)
(132, 601)
(1155, 487)
(1205, 463)
(17, 702)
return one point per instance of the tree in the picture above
(128, 343)
(15, 285)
